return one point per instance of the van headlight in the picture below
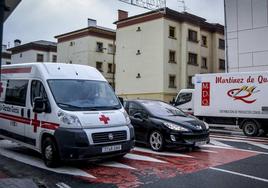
(175, 127)
(69, 119)
(126, 117)
(207, 126)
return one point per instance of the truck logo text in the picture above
(205, 100)
(243, 94)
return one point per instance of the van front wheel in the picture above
(50, 153)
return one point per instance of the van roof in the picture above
(51, 71)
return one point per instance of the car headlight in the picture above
(175, 127)
(207, 126)
(68, 119)
(126, 117)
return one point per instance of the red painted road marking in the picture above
(174, 166)
(104, 119)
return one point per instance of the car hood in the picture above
(189, 122)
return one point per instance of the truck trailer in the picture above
(229, 98)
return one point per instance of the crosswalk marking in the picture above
(215, 142)
(116, 165)
(171, 154)
(143, 158)
(240, 138)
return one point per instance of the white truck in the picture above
(229, 98)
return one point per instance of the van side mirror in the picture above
(121, 100)
(39, 105)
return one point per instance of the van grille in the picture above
(109, 137)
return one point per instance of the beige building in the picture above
(159, 53)
(93, 46)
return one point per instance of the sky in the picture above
(44, 19)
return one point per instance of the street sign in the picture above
(148, 4)
(11, 5)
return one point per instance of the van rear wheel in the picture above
(250, 128)
(50, 153)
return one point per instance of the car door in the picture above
(33, 132)
(138, 117)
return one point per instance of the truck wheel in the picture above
(250, 128)
(50, 153)
(156, 141)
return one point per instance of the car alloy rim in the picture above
(156, 141)
(48, 152)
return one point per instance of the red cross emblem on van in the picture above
(104, 119)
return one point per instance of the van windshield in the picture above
(83, 95)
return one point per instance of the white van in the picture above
(65, 112)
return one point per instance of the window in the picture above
(172, 56)
(192, 35)
(99, 47)
(190, 84)
(204, 41)
(110, 68)
(183, 98)
(111, 49)
(38, 90)
(134, 108)
(16, 92)
(192, 59)
(8, 63)
(221, 44)
(221, 64)
(99, 66)
(138, 52)
(20, 54)
(72, 43)
(40, 57)
(172, 32)
(138, 29)
(172, 80)
(204, 63)
(54, 58)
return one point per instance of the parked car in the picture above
(160, 125)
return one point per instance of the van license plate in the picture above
(200, 143)
(111, 148)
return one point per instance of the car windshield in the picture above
(83, 95)
(159, 108)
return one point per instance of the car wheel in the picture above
(50, 153)
(156, 141)
(250, 128)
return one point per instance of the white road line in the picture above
(222, 147)
(116, 165)
(217, 143)
(239, 174)
(208, 151)
(143, 158)
(161, 153)
(244, 141)
(37, 162)
(239, 138)
(62, 185)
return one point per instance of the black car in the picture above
(161, 125)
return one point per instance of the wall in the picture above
(247, 34)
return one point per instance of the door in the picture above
(33, 132)
(138, 117)
(13, 109)
(185, 102)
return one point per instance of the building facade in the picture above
(6, 56)
(247, 35)
(93, 46)
(38, 51)
(159, 53)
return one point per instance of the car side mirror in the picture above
(138, 116)
(39, 105)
